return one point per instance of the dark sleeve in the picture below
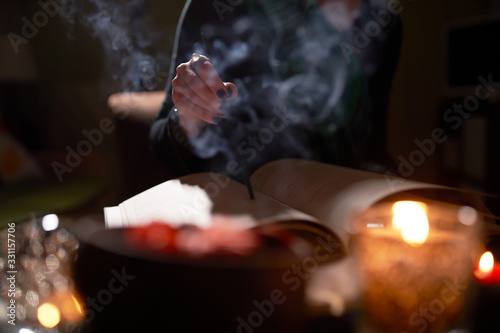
(207, 29)
(168, 140)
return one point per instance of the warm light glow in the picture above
(48, 315)
(77, 304)
(25, 330)
(486, 263)
(71, 308)
(411, 218)
(403, 209)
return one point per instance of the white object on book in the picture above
(171, 202)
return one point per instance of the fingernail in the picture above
(195, 57)
(222, 94)
(216, 119)
(229, 92)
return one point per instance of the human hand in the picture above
(198, 91)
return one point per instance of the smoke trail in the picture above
(127, 39)
(304, 76)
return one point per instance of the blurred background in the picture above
(64, 149)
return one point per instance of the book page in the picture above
(328, 192)
(231, 197)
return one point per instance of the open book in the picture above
(298, 194)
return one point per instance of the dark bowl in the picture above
(127, 290)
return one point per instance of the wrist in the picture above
(176, 130)
(191, 127)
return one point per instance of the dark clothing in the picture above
(305, 90)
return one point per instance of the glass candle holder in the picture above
(415, 260)
(37, 290)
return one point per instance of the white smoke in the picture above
(128, 41)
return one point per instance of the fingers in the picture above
(190, 109)
(207, 73)
(189, 85)
(198, 91)
(190, 95)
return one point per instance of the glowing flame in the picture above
(411, 218)
(486, 263)
(48, 315)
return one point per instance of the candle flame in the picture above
(486, 263)
(411, 218)
(48, 315)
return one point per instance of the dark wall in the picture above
(418, 92)
(466, 153)
(56, 73)
(62, 53)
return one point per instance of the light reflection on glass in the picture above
(27, 262)
(61, 253)
(62, 235)
(49, 245)
(71, 244)
(20, 312)
(60, 283)
(32, 298)
(36, 248)
(44, 288)
(52, 262)
(77, 304)
(43, 265)
(18, 293)
(71, 308)
(32, 231)
(39, 274)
